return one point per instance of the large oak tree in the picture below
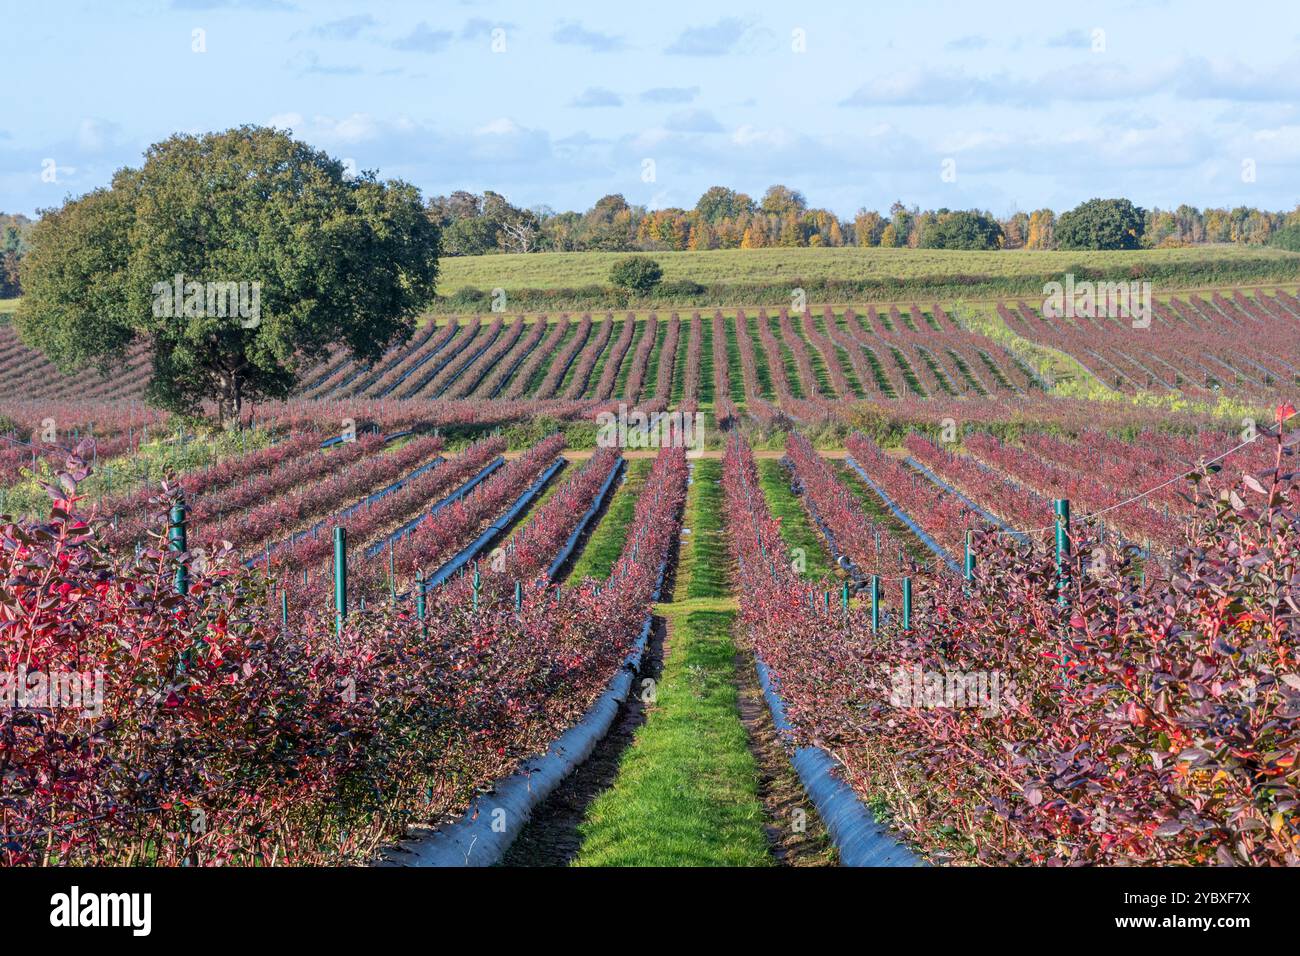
(336, 259)
(1101, 224)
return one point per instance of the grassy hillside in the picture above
(577, 280)
(553, 270)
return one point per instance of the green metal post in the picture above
(970, 558)
(475, 582)
(419, 601)
(1062, 508)
(844, 598)
(907, 604)
(875, 603)
(519, 595)
(176, 539)
(340, 578)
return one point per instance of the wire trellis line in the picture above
(1152, 490)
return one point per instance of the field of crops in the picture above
(1041, 690)
(1026, 627)
(1238, 344)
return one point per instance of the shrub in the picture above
(9, 425)
(637, 274)
(222, 737)
(679, 289)
(468, 297)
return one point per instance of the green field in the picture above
(558, 270)
(8, 307)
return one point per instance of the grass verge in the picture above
(687, 789)
(606, 542)
(796, 527)
(702, 569)
(149, 464)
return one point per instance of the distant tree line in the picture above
(471, 225)
(727, 219)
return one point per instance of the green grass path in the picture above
(702, 568)
(606, 542)
(686, 793)
(797, 530)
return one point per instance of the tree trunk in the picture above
(229, 400)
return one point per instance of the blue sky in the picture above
(854, 103)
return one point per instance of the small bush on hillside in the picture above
(636, 274)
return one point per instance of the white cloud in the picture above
(573, 33)
(1095, 80)
(306, 61)
(345, 28)
(294, 121)
(596, 96)
(1074, 39)
(1230, 79)
(423, 39)
(501, 126)
(716, 39)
